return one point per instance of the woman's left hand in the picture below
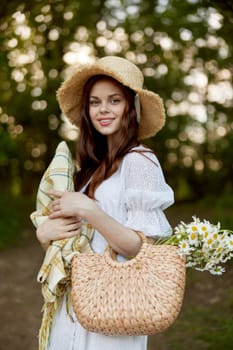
(67, 204)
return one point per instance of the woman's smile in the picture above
(105, 121)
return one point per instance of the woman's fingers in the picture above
(72, 220)
(57, 210)
(74, 227)
(56, 205)
(55, 193)
(56, 214)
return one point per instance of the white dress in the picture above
(135, 195)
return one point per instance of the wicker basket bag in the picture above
(141, 296)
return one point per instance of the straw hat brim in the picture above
(69, 97)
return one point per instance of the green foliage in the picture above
(213, 208)
(14, 214)
(223, 208)
(223, 334)
(184, 49)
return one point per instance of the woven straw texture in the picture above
(141, 296)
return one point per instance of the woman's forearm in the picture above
(123, 240)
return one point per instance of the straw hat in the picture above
(69, 95)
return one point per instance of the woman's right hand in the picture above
(55, 229)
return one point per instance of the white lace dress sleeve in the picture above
(146, 194)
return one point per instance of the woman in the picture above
(120, 187)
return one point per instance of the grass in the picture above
(211, 208)
(205, 321)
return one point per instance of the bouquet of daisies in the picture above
(206, 246)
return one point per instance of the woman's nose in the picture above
(104, 107)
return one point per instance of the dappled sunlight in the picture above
(222, 92)
(38, 150)
(215, 19)
(196, 78)
(13, 129)
(39, 105)
(68, 131)
(79, 54)
(196, 134)
(184, 56)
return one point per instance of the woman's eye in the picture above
(115, 101)
(94, 103)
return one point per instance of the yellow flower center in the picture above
(215, 236)
(193, 236)
(203, 228)
(210, 241)
(194, 228)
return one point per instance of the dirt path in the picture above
(20, 301)
(20, 298)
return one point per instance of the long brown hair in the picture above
(96, 160)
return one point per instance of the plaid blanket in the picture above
(54, 274)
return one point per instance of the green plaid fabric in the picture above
(54, 274)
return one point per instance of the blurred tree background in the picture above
(184, 48)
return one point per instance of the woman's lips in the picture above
(105, 121)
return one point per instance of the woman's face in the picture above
(107, 105)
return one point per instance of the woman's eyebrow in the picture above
(116, 94)
(112, 95)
